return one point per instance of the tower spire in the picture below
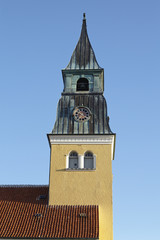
(83, 56)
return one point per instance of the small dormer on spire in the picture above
(83, 56)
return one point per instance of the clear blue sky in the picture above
(37, 38)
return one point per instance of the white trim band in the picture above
(85, 139)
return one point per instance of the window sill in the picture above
(80, 169)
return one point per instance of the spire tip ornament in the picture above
(83, 56)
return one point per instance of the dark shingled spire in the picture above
(83, 56)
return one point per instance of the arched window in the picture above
(73, 160)
(88, 160)
(82, 84)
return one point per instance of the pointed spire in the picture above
(83, 56)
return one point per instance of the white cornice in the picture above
(78, 139)
(82, 139)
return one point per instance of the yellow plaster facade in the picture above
(84, 187)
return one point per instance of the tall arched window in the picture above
(88, 160)
(73, 160)
(83, 84)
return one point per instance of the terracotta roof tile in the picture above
(25, 193)
(20, 219)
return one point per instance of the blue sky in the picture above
(37, 39)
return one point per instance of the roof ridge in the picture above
(52, 206)
(75, 206)
(21, 185)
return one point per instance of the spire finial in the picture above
(83, 56)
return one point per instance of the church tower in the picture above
(82, 143)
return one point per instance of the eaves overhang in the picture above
(49, 238)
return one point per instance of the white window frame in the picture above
(81, 162)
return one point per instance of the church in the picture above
(77, 203)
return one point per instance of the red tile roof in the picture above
(20, 219)
(24, 193)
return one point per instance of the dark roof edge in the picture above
(48, 134)
(21, 185)
(82, 94)
(47, 238)
(82, 70)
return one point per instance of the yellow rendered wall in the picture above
(84, 187)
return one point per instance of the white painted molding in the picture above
(82, 139)
(85, 139)
(67, 161)
(80, 161)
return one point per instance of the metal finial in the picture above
(84, 16)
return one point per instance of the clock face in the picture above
(81, 114)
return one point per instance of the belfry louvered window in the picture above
(82, 84)
(88, 160)
(73, 160)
